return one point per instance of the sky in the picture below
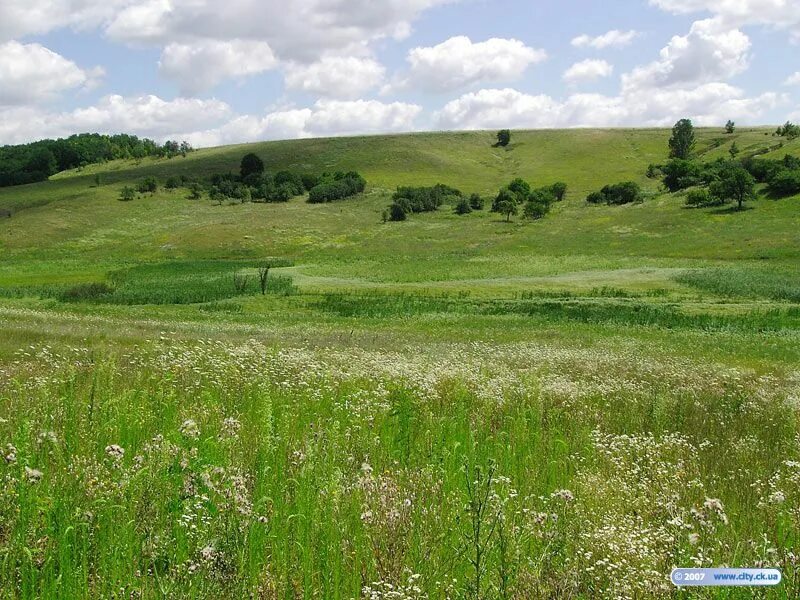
(218, 72)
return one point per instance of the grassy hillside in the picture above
(446, 407)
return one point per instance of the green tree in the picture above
(734, 184)
(535, 209)
(506, 203)
(476, 202)
(251, 165)
(397, 212)
(682, 142)
(503, 137)
(730, 126)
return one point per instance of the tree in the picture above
(251, 165)
(503, 137)
(682, 142)
(506, 203)
(559, 190)
(148, 184)
(730, 126)
(127, 194)
(195, 191)
(476, 202)
(788, 130)
(463, 207)
(735, 184)
(733, 150)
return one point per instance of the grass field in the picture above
(447, 407)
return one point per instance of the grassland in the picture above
(448, 407)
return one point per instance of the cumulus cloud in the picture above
(148, 115)
(201, 66)
(708, 104)
(707, 53)
(458, 63)
(336, 76)
(614, 38)
(793, 79)
(779, 14)
(18, 19)
(30, 73)
(587, 70)
(302, 31)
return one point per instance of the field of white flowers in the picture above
(522, 470)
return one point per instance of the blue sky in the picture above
(246, 70)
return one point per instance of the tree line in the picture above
(36, 161)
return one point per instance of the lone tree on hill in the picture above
(251, 165)
(730, 126)
(506, 203)
(734, 183)
(503, 137)
(682, 142)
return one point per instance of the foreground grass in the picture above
(517, 470)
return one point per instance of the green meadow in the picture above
(451, 406)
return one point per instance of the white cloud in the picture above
(336, 76)
(18, 19)
(793, 79)
(144, 115)
(324, 118)
(779, 14)
(201, 66)
(458, 62)
(30, 73)
(302, 30)
(707, 53)
(587, 70)
(614, 38)
(708, 104)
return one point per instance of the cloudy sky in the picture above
(216, 72)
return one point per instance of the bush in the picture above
(535, 209)
(618, 193)
(559, 190)
(476, 202)
(86, 291)
(424, 199)
(397, 212)
(463, 207)
(148, 184)
(700, 197)
(172, 183)
(195, 191)
(785, 183)
(127, 194)
(763, 169)
(342, 186)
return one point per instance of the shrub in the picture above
(785, 183)
(397, 212)
(762, 169)
(148, 184)
(310, 181)
(342, 186)
(559, 190)
(172, 183)
(503, 137)
(195, 191)
(700, 197)
(463, 207)
(476, 202)
(618, 193)
(424, 199)
(788, 130)
(535, 209)
(127, 194)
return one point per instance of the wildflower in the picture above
(777, 497)
(47, 436)
(230, 427)
(10, 455)
(33, 475)
(189, 429)
(694, 539)
(565, 495)
(208, 554)
(117, 453)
